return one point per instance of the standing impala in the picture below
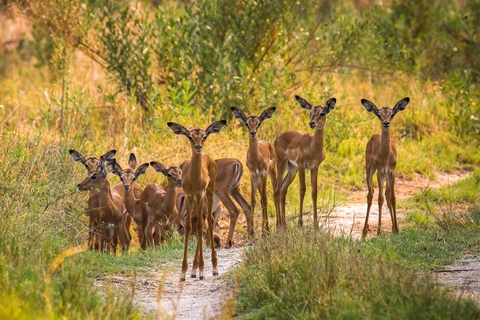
(111, 208)
(128, 179)
(227, 186)
(261, 161)
(162, 210)
(198, 181)
(381, 156)
(95, 229)
(297, 152)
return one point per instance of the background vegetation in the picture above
(98, 75)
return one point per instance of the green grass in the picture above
(302, 274)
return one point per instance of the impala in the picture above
(261, 161)
(297, 151)
(198, 182)
(381, 156)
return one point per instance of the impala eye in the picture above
(93, 177)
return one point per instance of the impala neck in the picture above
(130, 200)
(253, 147)
(196, 165)
(170, 197)
(105, 195)
(385, 144)
(318, 138)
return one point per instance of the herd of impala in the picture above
(197, 186)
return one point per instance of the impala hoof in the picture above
(193, 275)
(182, 278)
(215, 273)
(201, 277)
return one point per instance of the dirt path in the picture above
(164, 296)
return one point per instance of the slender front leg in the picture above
(253, 200)
(188, 230)
(198, 259)
(313, 180)
(291, 173)
(263, 201)
(381, 199)
(211, 225)
(391, 201)
(303, 189)
(370, 171)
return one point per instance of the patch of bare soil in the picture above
(463, 276)
(349, 219)
(160, 293)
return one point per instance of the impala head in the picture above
(173, 174)
(318, 114)
(253, 122)
(97, 178)
(197, 136)
(91, 163)
(385, 114)
(129, 175)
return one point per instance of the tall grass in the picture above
(306, 274)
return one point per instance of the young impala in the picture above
(198, 182)
(381, 156)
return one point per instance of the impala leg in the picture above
(313, 180)
(263, 201)
(370, 171)
(303, 189)
(188, 230)
(233, 211)
(253, 200)
(198, 258)
(235, 192)
(148, 231)
(381, 200)
(292, 172)
(277, 195)
(211, 226)
(391, 201)
(273, 178)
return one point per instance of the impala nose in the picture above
(386, 125)
(312, 125)
(198, 148)
(253, 134)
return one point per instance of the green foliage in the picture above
(124, 45)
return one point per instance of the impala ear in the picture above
(400, 106)
(110, 165)
(303, 103)
(239, 114)
(178, 129)
(330, 105)
(132, 161)
(267, 114)
(109, 155)
(77, 156)
(141, 170)
(215, 127)
(159, 167)
(116, 169)
(370, 106)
